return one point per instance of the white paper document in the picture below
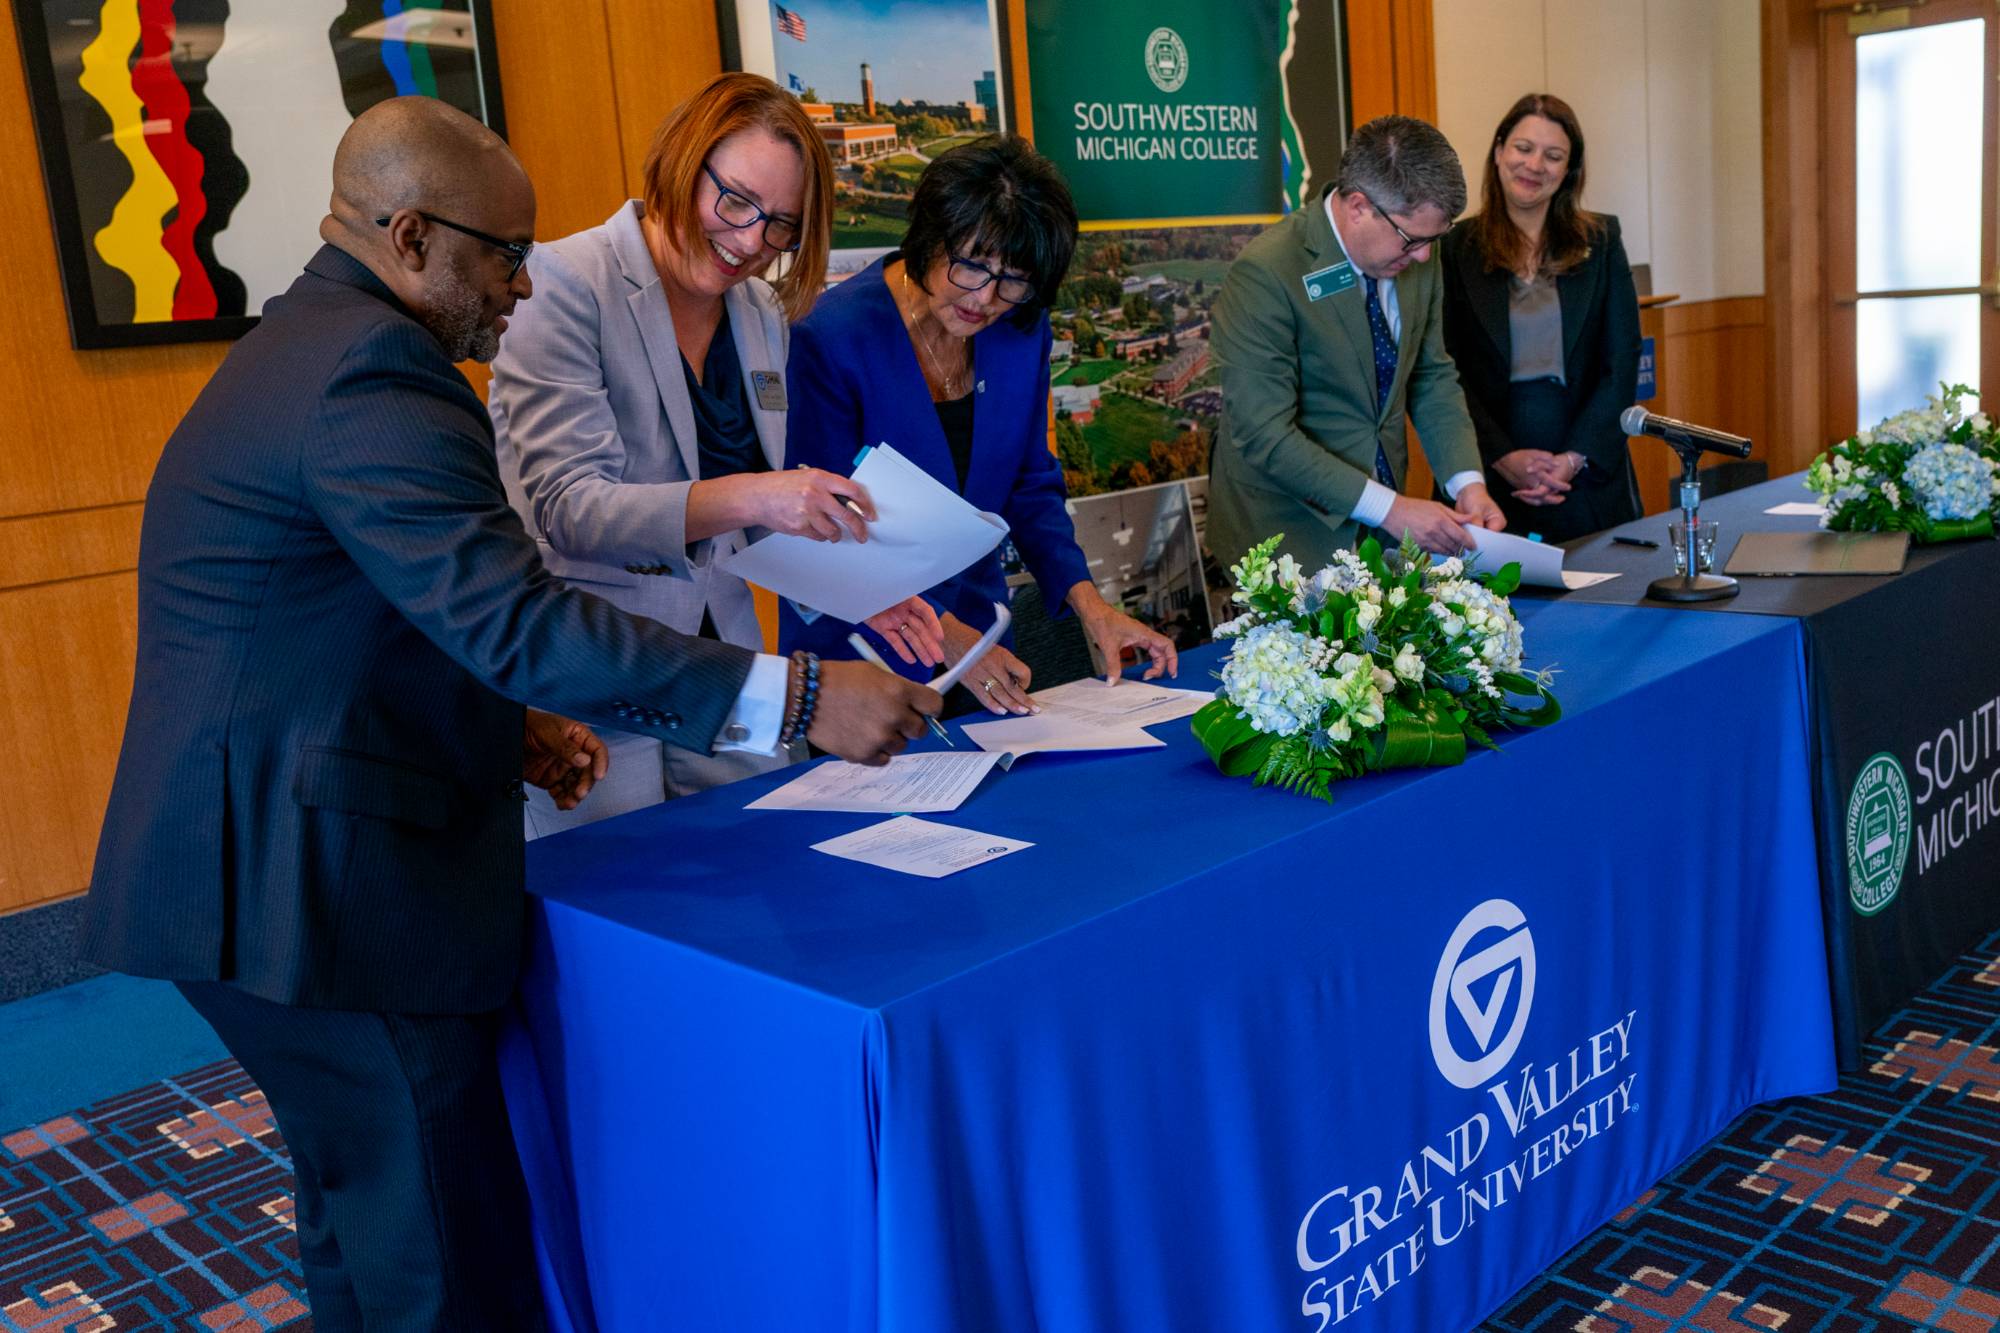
(1798, 509)
(1578, 578)
(923, 534)
(909, 783)
(1541, 563)
(1089, 715)
(1014, 736)
(919, 847)
(1135, 703)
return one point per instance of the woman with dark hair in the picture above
(941, 349)
(1541, 317)
(639, 408)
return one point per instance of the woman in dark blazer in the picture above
(1542, 319)
(941, 349)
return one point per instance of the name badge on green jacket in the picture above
(770, 386)
(1329, 280)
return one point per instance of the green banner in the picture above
(1166, 111)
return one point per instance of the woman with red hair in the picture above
(640, 401)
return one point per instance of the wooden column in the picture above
(1391, 59)
(1796, 298)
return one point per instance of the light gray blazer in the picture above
(596, 432)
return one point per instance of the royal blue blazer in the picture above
(855, 382)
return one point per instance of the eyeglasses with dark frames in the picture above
(737, 211)
(517, 251)
(1410, 242)
(969, 276)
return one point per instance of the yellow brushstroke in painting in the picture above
(130, 243)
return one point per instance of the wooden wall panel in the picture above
(1391, 60)
(583, 84)
(661, 51)
(557, 80)
(77, 543)
(1392, 70)
(1710, 363)
(65, 675)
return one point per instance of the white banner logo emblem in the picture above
(1512, 957)
(1166, 59)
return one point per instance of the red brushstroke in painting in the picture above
(156, 84)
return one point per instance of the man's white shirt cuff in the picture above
(1372, 509)
(1461, 480)
(753, 724)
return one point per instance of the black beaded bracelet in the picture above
(799, 718)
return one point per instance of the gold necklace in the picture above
(950, 393)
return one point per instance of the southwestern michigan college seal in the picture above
(1166, 59)
(1878, 834)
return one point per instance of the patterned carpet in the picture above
(1876, 1207)
(1870, 1210)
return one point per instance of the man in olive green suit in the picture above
(1328, 330)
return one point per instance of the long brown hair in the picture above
(726, 104)
(1569, 231)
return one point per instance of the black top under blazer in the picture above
(339, 617)
(1600, 324)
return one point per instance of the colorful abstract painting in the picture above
(187, 145)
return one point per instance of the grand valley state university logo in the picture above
(1367, 1236)
(1482, 989)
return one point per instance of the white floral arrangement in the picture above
(1933, 472)
(1374, 662)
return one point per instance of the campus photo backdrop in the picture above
(889, 83)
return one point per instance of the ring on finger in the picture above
(987, 684)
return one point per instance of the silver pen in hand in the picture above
(860, 645)
(855, 508)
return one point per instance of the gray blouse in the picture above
(1535, 326)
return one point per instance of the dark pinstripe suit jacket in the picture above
(317, 796)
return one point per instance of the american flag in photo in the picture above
(790, 23)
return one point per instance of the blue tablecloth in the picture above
(1206, 1057)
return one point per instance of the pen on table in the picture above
(860, 645)
(1637, 541)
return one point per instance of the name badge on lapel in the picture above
(770, 386)
(1329, 280)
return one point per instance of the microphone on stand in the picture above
(1690, 442)
(1683, 435)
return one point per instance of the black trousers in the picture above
(411, 1211)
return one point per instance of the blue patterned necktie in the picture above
(1385, 372)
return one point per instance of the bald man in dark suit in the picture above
(315, 827)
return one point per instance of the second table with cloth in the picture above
(1206, 1056)
(1905, 702)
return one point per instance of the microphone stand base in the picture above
(1692, 588)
